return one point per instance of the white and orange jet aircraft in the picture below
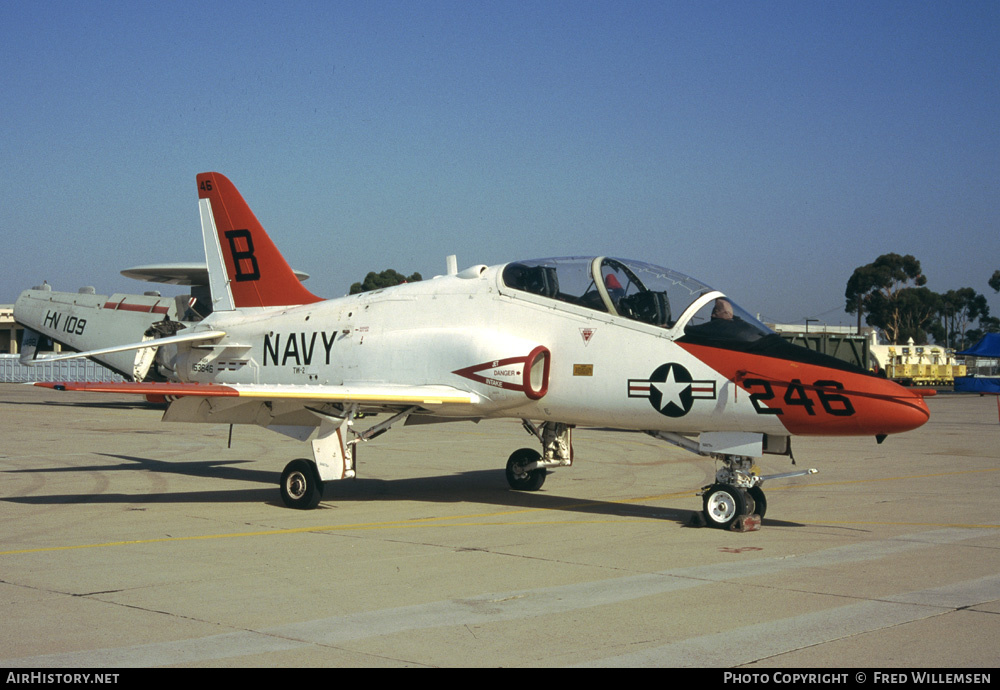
(556, 343)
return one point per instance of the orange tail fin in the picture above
(245, 268)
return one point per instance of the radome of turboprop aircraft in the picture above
(195, 274)
(556, 343)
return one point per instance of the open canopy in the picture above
(638, 291)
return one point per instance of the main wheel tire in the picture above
(301, 487)
(520, 479)
(723, 504)
(760, 501)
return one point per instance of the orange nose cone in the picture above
(899, 409)
(867, 406)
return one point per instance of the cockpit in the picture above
(640, 292)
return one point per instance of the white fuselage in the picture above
(424, 333)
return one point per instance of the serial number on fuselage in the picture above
(72, 324)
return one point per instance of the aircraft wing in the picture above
(296, 410)
(372, 394)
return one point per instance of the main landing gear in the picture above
(334, 456)
(527, 468)
(519, 477)
(301, 486)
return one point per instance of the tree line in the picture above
(892, 295)
(387, 278)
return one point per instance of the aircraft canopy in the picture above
(638, 291)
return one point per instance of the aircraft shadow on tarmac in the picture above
(474, 486)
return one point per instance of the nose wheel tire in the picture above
(301, 487)
(760, 502)
(520, 479)
(723, 504)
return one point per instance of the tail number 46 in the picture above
(798, 395)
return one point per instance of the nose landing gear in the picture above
(724, 505)
(736, 501)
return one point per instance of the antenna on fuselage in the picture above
(452, 264)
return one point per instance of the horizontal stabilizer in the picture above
(193, 336)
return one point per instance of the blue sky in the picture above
(766, 148)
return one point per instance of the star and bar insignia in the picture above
(671, 390)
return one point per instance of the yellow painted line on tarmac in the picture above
(939, 525)
(394, 524)
(892, 479)
(482, 519)
(488, 519)
(160, 540)
(886, 523)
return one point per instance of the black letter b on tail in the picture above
(243, 258)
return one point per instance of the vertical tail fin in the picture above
(245, 269)
(30, 341)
